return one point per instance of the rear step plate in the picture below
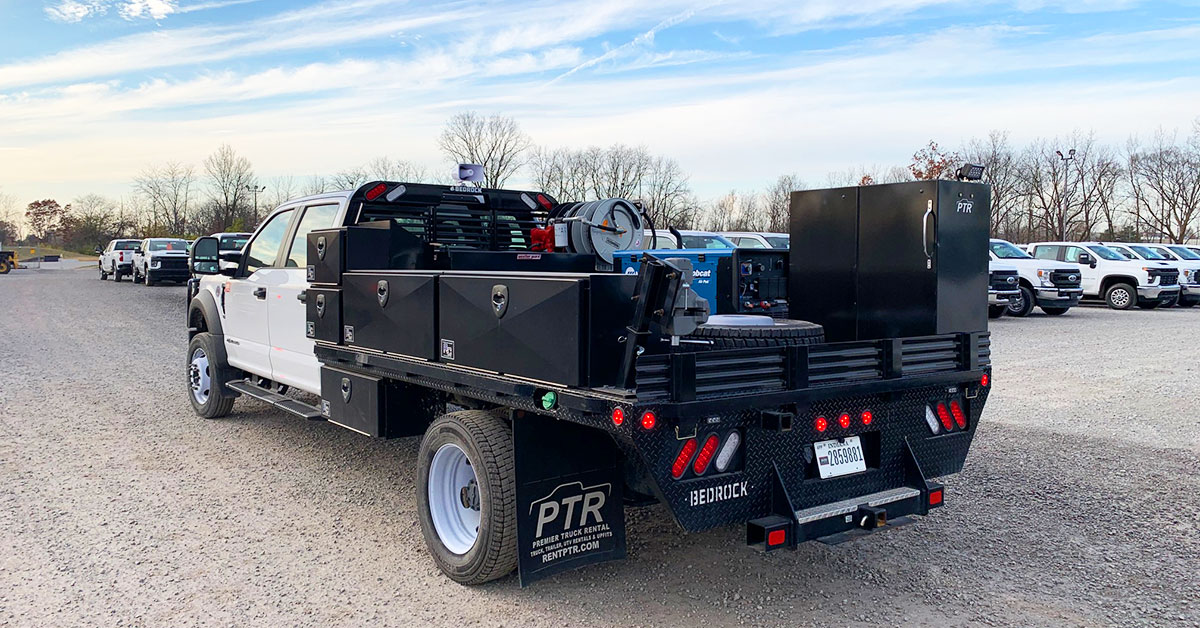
(283, 402)
(850, 506)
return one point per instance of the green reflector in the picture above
(549, 400)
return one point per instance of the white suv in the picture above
(1108, 275)
(1051, 285)
(1189, 270)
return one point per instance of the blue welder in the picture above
(733, 281)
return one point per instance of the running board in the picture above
(283, 402)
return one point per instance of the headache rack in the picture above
(459, 217)
(693, 376)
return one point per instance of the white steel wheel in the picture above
(200, 376)
(454, 498)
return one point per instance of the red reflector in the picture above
(776, 537)
(985, 380)
(618, 416)
(684, 457)
(935, 497)
(844, 420)
(544, 202)
(867, 417)
(374, 192)
(648, 420)
(944, 416)
(821, 424)
(706, 454)
(959, 418)
(766, 305)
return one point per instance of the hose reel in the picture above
(599, 228)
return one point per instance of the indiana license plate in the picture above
(839, 457)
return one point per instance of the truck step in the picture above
(283, 402)
(850, 506)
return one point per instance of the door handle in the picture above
(260, 293)
(925, 230)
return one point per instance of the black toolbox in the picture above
(324, 320)
(354, 401)
(376, 245)
(392, 312)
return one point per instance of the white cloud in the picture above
(154, 9)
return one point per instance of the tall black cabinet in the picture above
(886, 261)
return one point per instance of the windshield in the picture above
(1165, 253)
(1184, 252)
(168, 245)
(706, 242)
(233, 243)
(126, 245)
(1147, 252)
(779, 242)
(1103, 252)
(1007, 250)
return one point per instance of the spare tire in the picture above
(782, 333)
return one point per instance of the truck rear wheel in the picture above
(1121, 296)
(4, 266)
(781, 332)
(466, 496)
(207, 374)
(103, 275)
(116, 273)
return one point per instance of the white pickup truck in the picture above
(1189, 267)
(1052, 286)
(1108, 275)
(161, 259)
(1002, 288)
(117, 258)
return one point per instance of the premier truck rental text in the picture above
(555, 380)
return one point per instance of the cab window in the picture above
(749, 243)
(264, 250)
(1047, 252)
(316, 217)
(1073, 253)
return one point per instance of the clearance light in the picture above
(776, 537)
(944, 415)
(844, 420)
(706, 454)
(821, 424)
(648, 420)
(985, 380)
(959, 417)
(867, 417)
(618, 416)
(931, 420)
(727, 450)
(544, 202)
(684, 457)
(376, 191)
(935, 497)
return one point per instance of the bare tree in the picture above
(1002, 172)
(666, 195)
(168, 191)
(734, 212)
(1164, 180)
(230, 177)
(778, 202)
(387, 169)
(349, 179)
(497, 143)
(316, 184)
(279, 191)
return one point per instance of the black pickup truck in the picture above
(551, 391)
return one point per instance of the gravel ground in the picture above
(1078, 504)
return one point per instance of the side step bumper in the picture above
(283, 402)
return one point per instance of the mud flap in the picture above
(570, 510)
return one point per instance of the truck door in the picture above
(247, 333)
(1089, 277)
(292, 359)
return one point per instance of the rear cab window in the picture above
(1046, 251)
(315, 217)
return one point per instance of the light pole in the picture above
(254, 189)
(1062, 198)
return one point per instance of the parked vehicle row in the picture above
(153, 260)
(1120, 281)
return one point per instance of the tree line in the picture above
(1073, 187)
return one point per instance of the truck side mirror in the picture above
(137, 250)
(204, 258)
(1087, 259)
(98, 251)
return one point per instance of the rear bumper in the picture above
(168, 274)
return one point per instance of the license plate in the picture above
(839, 457)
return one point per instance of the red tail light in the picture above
(544, 202)
(766, 305)
(844, 420)
(959, 417)
(867, 417)
(684, 457)
(985, 380)
(821, 424)
(944, 416)
(706, 454)
(618, 416)
(648, 420)
(374, 192)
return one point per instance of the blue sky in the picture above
(93, 91)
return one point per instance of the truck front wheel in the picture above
(1023, 306)
(1055, 311)
(466, 495)
(996, 311)
(1121, 296)
(207, 374)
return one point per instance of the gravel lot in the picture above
(1078, 505)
